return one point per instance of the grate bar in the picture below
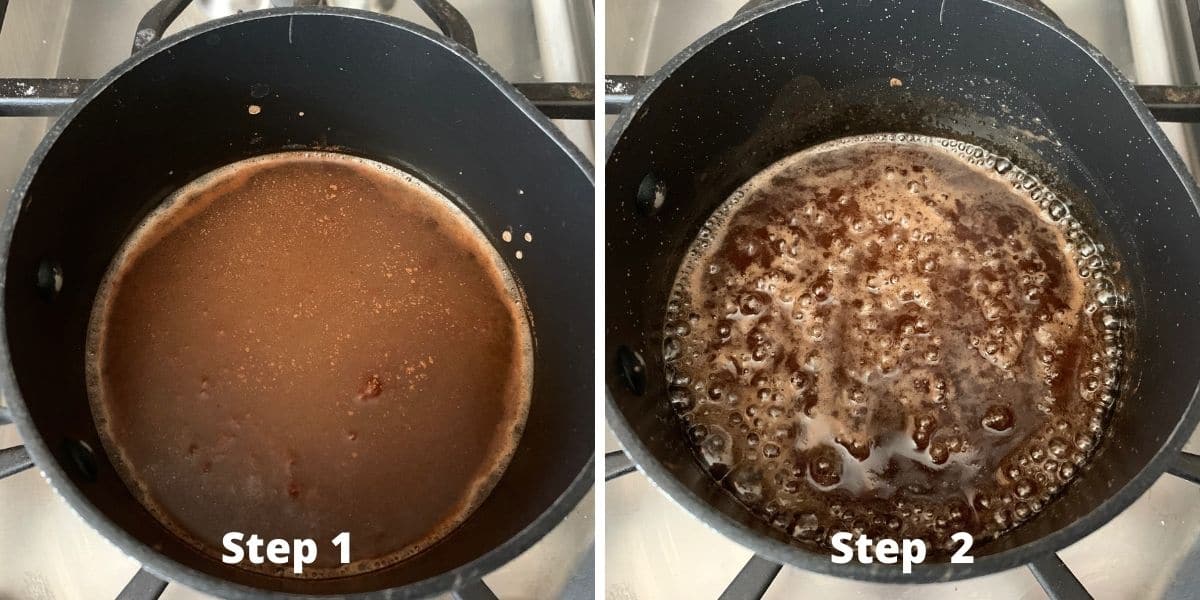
(51, 97)
(144, 586)
(1187, 467)
(1168, 103)
(753, 580)
(1172, 103)
(38, 97)
(476, 590)
(1057, 579)
(562, 100)
(14, 460)
(616, 464)
(619, 91)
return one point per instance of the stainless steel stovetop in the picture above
(654, 549)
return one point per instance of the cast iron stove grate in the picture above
(51, 97)
(1168, 103)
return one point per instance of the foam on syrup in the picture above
(896, 335)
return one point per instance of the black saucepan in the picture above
(367, 85)
(787, 75)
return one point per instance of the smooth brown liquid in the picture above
(893, 335)
(308, 343)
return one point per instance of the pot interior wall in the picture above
(333, 81)
(971, 70)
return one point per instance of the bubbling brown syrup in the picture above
(894, 335)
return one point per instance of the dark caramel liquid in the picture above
(893, 335)
(308, 343)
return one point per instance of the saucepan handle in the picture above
(156, 21)
(450, 22)
(444, 15)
